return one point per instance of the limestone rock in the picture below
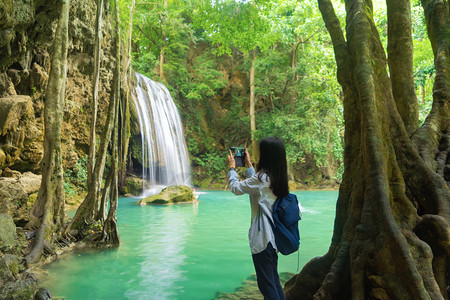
(12, 110)
(2, 157)
(171, 195)
(24, 148)
(13, 199)
(8, 233)
(7, 172)
(22, 288)
(30, 182)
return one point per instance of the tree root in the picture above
(433, 230)
(308, 281)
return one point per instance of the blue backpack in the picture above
(286, 215)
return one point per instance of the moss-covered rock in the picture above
(13, 199)
(22, 288)
(133, 186)
(7, 232)
(204, 184)
(171, 195)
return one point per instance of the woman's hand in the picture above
(230, 160)
(248, 162)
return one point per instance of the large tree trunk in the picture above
(48, 209)
(400, 58)
(94, 106)
(252, 106)
(125, 108)
(391, 235)
(110, 234)
(87, 212)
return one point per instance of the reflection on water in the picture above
(164, 233)
(188, 251)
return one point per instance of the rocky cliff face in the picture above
(26, 35)
(27, 28)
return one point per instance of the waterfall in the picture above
(164, 156)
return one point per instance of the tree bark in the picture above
(125, 111)
(252, 106)
(391, 234)
(293, 94)
(110, 232)
(400, 58)
(161, 54)
(48, 209)
(94, 106)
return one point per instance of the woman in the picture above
(264, 187)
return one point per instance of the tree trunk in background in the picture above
(293, 95)
(110, 232)
(87, 212)
(97, 46)
(161, 55)
(48, 209)
(252, 107)
(400, 59)
(125, 108)
(161, 61)
(391, 235)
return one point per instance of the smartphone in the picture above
(239, 155)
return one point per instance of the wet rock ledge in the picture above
(171, 195)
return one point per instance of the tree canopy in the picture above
(297, 96)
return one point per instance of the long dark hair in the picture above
(272, 161)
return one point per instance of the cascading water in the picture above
(164, 156)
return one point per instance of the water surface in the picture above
(184, 251)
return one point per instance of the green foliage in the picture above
(212, 163)
(76, 178)
(424, 70)
(206, 62)
(241, 24)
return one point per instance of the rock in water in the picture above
(171, 195)
(249, 289)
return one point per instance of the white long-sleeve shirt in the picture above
(261, 202)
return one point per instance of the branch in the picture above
(149, 37)
(342, 54)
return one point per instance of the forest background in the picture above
(206, 54)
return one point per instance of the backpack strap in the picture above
(259, 218)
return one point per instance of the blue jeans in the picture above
(266, 265)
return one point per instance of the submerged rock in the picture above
(249, 289)
(171, 195)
